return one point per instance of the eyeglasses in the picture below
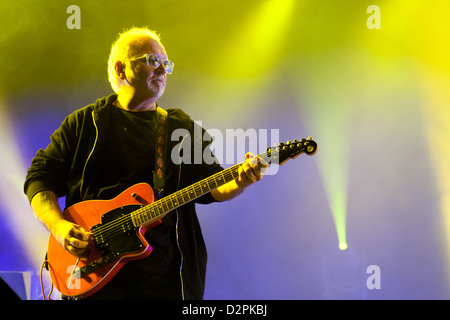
(154, 61)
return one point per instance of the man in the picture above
(103, 148)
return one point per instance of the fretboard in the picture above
(157, 209)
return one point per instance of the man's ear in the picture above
(119, 67)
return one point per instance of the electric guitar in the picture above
(119, 225)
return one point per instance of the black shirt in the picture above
(129, 158)
(129, 152)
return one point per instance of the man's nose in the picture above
(161, 69)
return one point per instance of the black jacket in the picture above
(67, 164)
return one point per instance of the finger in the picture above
(249, 172)
(258, 165)
(241, 172)
(77, 243)
(262, 162)
(253, 169)
(76, 247)
(261, 168)
(79, 233)
(257, 173)
(242, 178)
(251, 159)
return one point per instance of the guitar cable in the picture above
(45, 263)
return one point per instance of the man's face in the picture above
(147, 80)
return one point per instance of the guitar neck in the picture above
(159, 208)
(156, 210)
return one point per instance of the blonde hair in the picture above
(120, 49)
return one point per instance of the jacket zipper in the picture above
(181, 258)
(176, 229)
(176, 210)
(90, 154)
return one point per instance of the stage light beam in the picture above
(258, 44)
(16, 212)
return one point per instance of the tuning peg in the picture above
(295, 141)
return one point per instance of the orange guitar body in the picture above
(104, 258)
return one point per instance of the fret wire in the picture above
(213, 180)
(140, 219)
(182, 196)
(146, 214)
(153, 208)
(150, 212)
(158, 208)
(137, 218)
(175, 204)
(178, 198)
(189, 194)
(166, 201)
(200, 187)
(162, 205)
(212, 183)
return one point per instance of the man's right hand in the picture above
(72, 237)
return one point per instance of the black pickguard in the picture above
(115, 237)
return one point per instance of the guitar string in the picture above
(144, 214)
(115, 227)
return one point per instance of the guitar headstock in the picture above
(291, 149)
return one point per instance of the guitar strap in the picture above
(160, 151)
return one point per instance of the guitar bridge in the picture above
(96, 264)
